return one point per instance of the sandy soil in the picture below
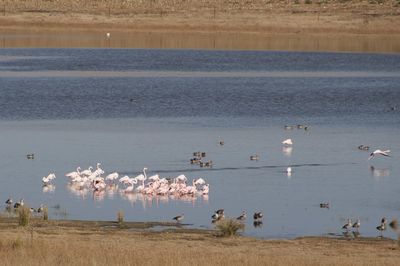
(107, 243)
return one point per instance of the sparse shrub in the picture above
(308, 2)
(229, 227)
(45, 214)
(17, 243)
(120, 217)
(24, 215)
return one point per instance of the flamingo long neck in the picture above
(144, 173)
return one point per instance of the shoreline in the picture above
(98, 243)
(353, 26)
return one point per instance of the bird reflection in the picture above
(347, 234)
(48, 188)
(78, 191)
(205, 198)
(111, 190)
(98, 195)
(257, 224)
(287, 150)
(379, 172)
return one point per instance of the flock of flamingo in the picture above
(148, 185)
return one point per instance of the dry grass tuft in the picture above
(229, 227)
(45, 214)
(120, 217)
(16, 244)
(24, 215)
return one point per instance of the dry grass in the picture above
(45, 213)
(229, 227)
(24, 215)
(104, 243)
(120, 216)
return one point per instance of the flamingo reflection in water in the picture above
(48, 188)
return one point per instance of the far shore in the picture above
(61, 242)
(349, 26)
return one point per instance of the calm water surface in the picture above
(135, 108)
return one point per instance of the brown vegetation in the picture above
(366, 16)
(105, 243)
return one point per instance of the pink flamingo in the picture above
(206, 189)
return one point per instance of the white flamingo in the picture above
(47, 179)
(199, 181)
(129, 189)
(206, 189)
(154, 178)
(124, 179)
(140, 177)
(99, 170)
(181, 178)
(75, 174)
(112, 177)
(287, 142)
(87, 172)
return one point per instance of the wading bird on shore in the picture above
(347, 225)
(258, 216)
(382, 226)
(9, 201)
(357, 224)
(178, 218)
(242, 217)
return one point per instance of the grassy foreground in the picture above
(110, 243)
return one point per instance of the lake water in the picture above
(135, 108)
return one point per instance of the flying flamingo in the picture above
(379, 152)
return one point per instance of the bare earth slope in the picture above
(241, 24)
